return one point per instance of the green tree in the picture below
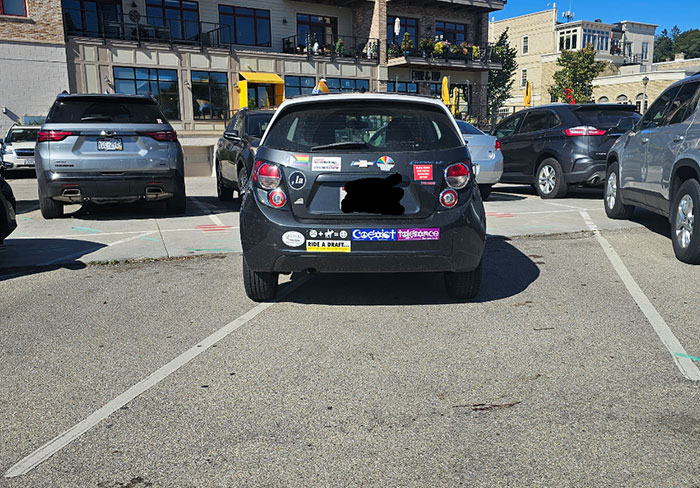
(501, 81)
(675, 32)
(663, 47)
(688, 42)
(578, 70)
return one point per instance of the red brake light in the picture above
(584, 131)
(163, 135)
(52, 135)
(457, 175)
(267, 175)
(277, 198)
(498, 145)
(448, 198)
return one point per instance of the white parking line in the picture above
(686, 365)
(120, 233)
(59, 442)
(214, 218)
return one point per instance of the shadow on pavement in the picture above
(507, 272)
(20, 174)
(150, 210)
(654, 222)
(21, 257)
(585, 192)
(26, 206)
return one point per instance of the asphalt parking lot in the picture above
(568, 370)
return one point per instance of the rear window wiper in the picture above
(98, 118)
(342, 145)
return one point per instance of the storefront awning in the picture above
(262, 78)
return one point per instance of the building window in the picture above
(316, 28)
(86, 18)
(245, 26)
(641, 107)
(455, 33)
(568, 39)
(210, 95)
(346, 84)
(407, 25)
(622, 100)
(180, 16)
(526, 44)
(13, 7)
(436, 89)
(523, 78)
(645, 51)
(402, 87)
(599, 39)
(161, 83)
(603, 100)
(298, 85)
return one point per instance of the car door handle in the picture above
(679, 138)
(645, 140)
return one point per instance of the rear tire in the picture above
(242, 181)
(612, 199)
(259, 286)
(224, 193)
(177, 204)
(50, 208)
(463, 285)
(685, 226)
(485, 191)
(549, 180)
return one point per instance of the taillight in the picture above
(498, 145)
(267, 175)
(584, 131)
(457, 175)
(277, 198)
(163, 135)
(52, 135)
(448, 198)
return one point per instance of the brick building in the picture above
(32, 60)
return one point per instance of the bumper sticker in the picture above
(423, 172)
(374, 234)
(385, 163)
(327, 246)
(297, 180)
(293, 238)
(301, 160)
(419, 234)
(325, 164)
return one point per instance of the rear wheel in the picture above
(685, 231)
(177, 204)
(614, 207)
(242, 180)
(463, 285)
(485, 191)
(259, 286)
(50, 208)
(224, 193)
(549, 179)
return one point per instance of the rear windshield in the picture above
(358, 124)
(604, 118)
(257, 123)
(120, 110)
(22, 135)
(468, 129)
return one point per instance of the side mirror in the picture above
(232, 135)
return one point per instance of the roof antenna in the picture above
(568, 15)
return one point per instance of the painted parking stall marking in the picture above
(212, 227)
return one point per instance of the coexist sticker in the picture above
(423, 172)
(293, 238)
(418, 234)
(385, 163)
(325, 164)
(328, 246)
(297, 180)
(374, 234)
(299, 160)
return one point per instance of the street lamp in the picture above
(645, 81)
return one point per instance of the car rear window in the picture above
(378, 125)
(120, 110)
(604, 118)
(22, 135)
(468, 129)
(257, 123)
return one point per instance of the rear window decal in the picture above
(325, 164)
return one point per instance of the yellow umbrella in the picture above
(445, 91)
(527, 97)
(455, 101)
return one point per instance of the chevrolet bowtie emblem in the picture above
(362, 163)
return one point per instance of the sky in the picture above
(667, 13)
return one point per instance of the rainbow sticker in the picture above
(385, 163)
(299, 160)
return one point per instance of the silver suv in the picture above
(108, 148)
(657, 166)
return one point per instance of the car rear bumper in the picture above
(490, 170)
(459, 248)
(586, 170)
(100, 187)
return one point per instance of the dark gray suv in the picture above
(108, 148)
(657, 166)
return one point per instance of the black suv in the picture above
(236, 150)
(554, 146)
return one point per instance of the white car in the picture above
(18, 147)
(486, 154)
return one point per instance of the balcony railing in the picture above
(106, 25)
(464, 52)
(333, 46)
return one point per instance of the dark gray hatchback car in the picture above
(108, 148)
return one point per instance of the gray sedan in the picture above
(485, 151)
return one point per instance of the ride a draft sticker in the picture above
(325, 164)
(315, 245)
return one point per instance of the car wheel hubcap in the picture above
(547, 179)
(611, 191)
(685, 218)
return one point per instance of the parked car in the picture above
(8, 210)
(657, 166)
(18, 147)
(326, 196)
(108, 148)
(553, 146)
(487, 158)
(235, 151)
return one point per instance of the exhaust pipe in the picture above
(594, 180)
(71, 192)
